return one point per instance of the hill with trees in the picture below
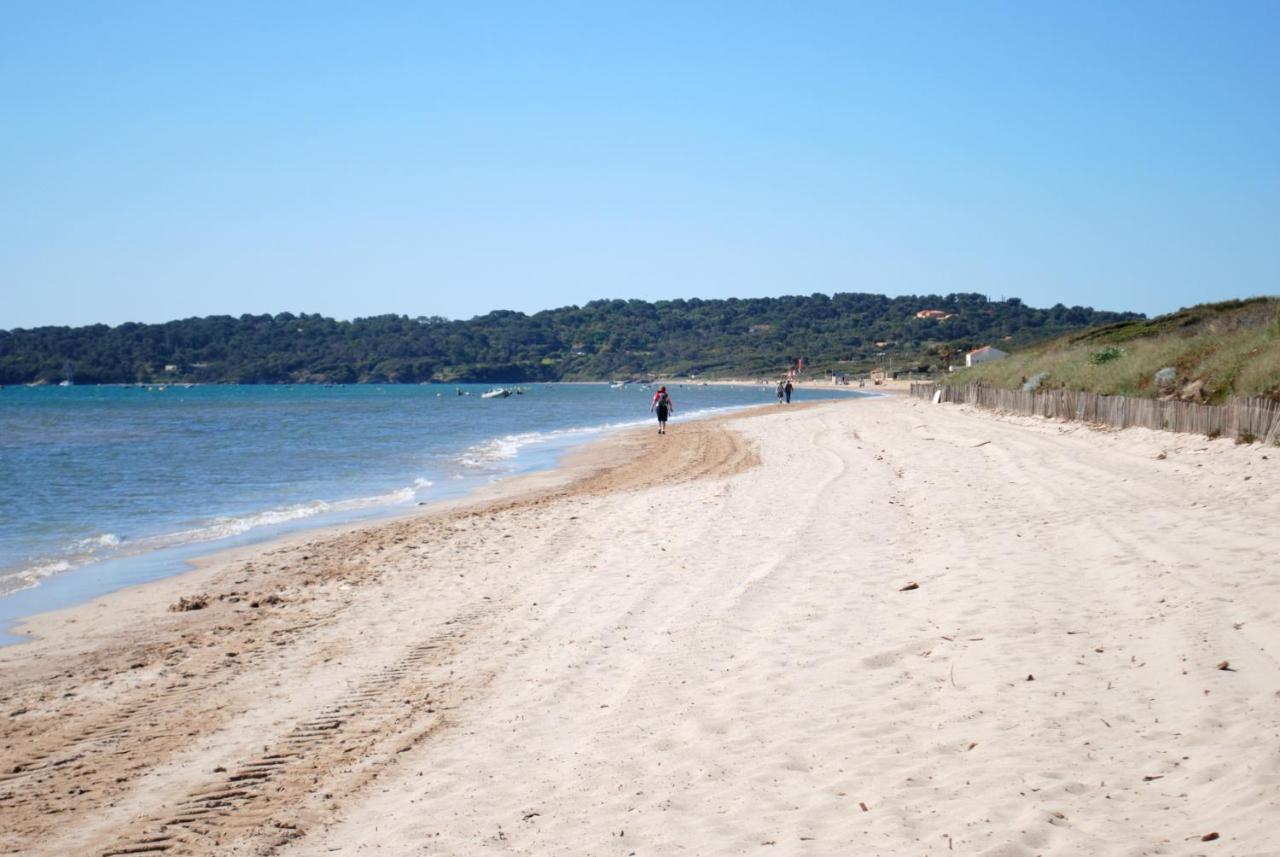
(845, 332)
(1206, 353)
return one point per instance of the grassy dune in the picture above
(1232, 348)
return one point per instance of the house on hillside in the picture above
(936, 314)
(984, 355)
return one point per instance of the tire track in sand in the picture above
(266, 800)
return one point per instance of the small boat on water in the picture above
(496, 393)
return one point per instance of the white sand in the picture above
(728, 665)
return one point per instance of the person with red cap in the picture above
(662, 404)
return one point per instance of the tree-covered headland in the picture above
(845, 332)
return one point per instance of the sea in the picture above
(103, 487)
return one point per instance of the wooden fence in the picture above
(1256, 419)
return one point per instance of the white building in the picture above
(984, 355)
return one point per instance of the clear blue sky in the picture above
(173, 159)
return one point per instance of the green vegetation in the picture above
(1106, 355)
(604, 339)
(1210, 352)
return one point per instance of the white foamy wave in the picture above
(234, 526)
(421, 483)
(401, 495)
(231, 526)
(499, 449)
(106, 540)
(77, 553)
(101, 547)
(31, 576)
(507, 447)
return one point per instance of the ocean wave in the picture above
(402, 496)
(504, 448)
(31, 576)
(227, 527)
(106, 540)
(77, 553)
(110, 546)
(237, 525)
(487, 454)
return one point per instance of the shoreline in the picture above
(100, 577)
(885, 628)
(615, 447)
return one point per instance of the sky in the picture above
(166, 160)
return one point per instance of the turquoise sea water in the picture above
(101, 487)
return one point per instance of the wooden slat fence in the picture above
(1239, 418)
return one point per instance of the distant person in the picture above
(787, 390)
(663, 405)
(782, 391)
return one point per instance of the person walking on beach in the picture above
(787, 389)
(662, 404)
(781, 390)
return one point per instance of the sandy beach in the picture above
(874, 626)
